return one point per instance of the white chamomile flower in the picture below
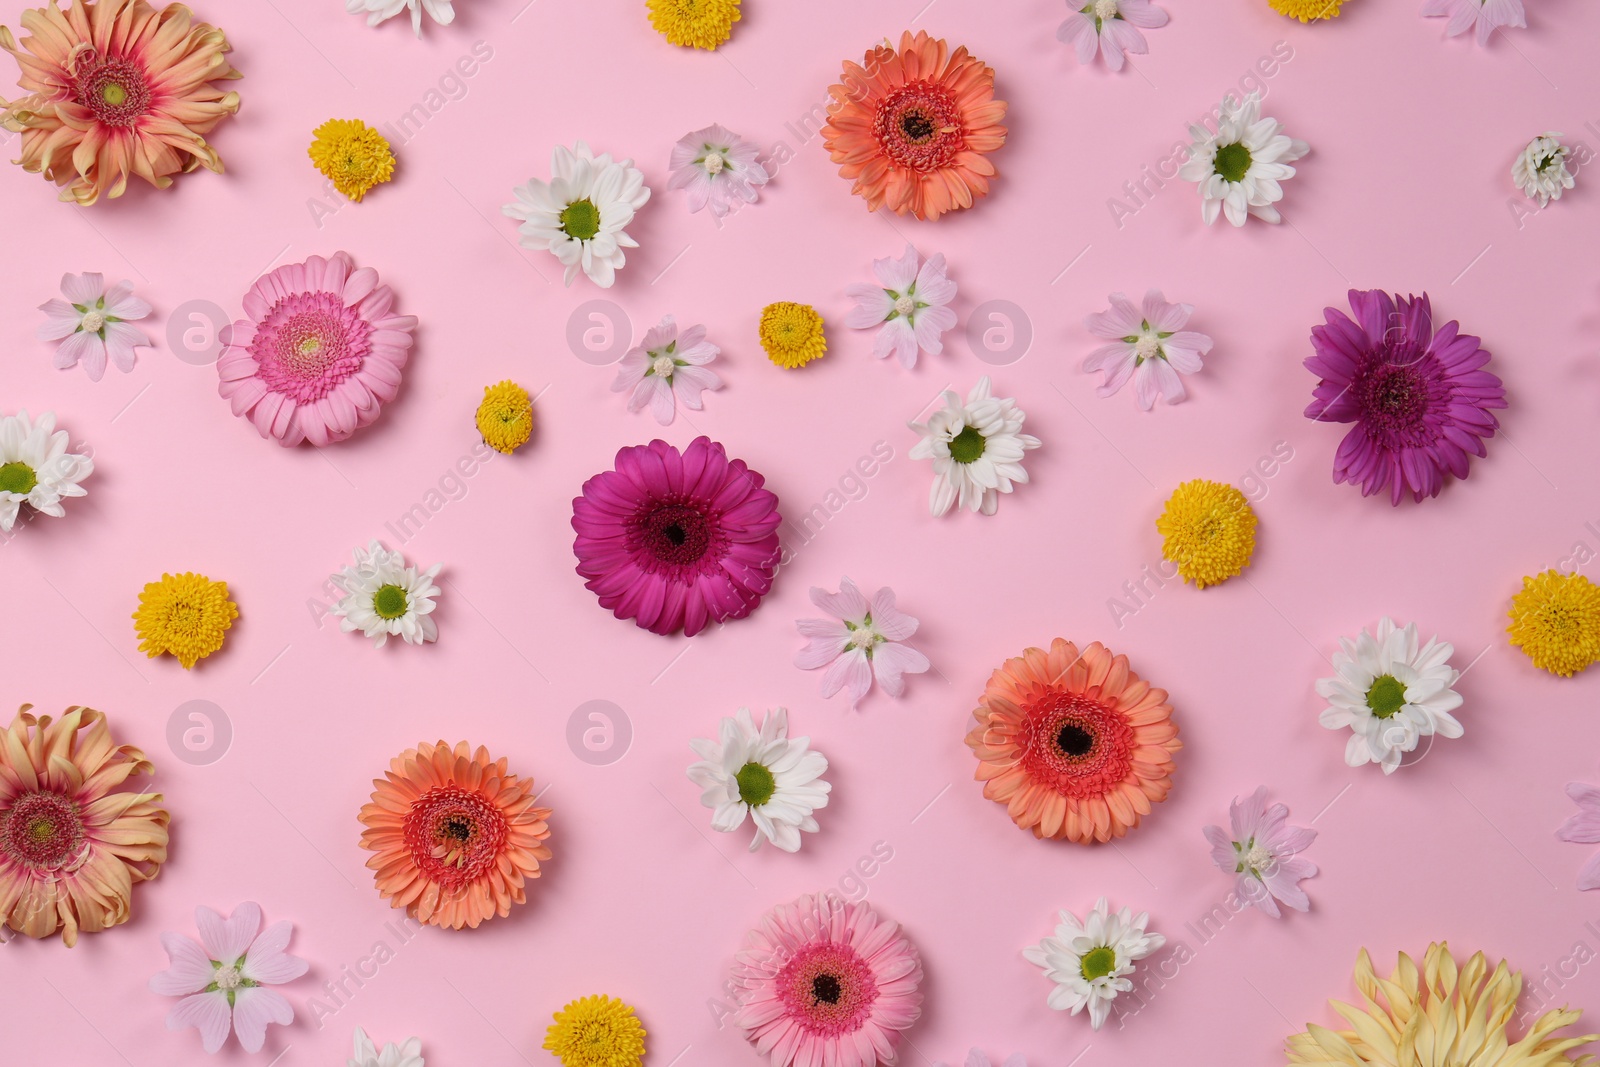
(1239, 168)
(909, 304)
(378, 11)
(976, 448)
(764, 773)
(386, 598)
(1090, 961)
(1541, 170)
(94, 324)
(579, 215)
(1390, 693)
(368, 1054)
(35, 467)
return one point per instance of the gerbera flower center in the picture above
(675, 534)
(43, 831)
(1074, 741)
(1074, 744)
(17, 477)
(93, 322)
(580, 220)
(454, 836)
(390, 602)
(967, 446)
(905, 305)
(1232, 162)
(756, 784)
(828, 989)
(1098, 962)
(918, 126)
(715, 162)
(308, 344)
(112, 89)
(1386, 696)
(1393, 395)
(825, 989)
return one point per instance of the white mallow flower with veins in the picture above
(1390, 691)
(1540, 171)
(763, 773)
(579, 215)
(976, 448)
(1240, 168)
(35, 467)
(909, 305)
(1089, 962)
(385, 598)
(378, 11)
(719, 169)
(860, 641)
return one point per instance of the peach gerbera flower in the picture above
(117, 88)
(456, 835)
(71, 848)
(1075, 745)
(914, 127)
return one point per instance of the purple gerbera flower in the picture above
(674, 540)
(1420, 400)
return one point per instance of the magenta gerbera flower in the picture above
(319, 354)
(1420, 400)
(824, 981)
(675, 540)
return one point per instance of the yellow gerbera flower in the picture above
(186, 615)
(1209, 530)
(505, 418)
(694, 23)
(1307, 10)
(1555, 620)
(1438, 1016)
(353, 155)
(596, 1031)
(792, 334)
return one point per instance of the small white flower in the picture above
(860, 642)
(909, 303)
(35, 467)
(718, 168)
(383, 10)
(1390, 693)
(92, 324)
(1148, 344)
(764, 773)
(391, 1055)
(579, 215)
(384, 597)
(976, 448)
(1238, 169)
(668, 369)
(1090, 961)
(1541, 170)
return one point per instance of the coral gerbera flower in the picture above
(677, 540)
(71, 846)
(824, 981)
(320, 353)
(694, 23)
(792, 334)
(187, 615)
(1439, 1014)
(597, 1031)
(1076, 746)
(1208, 530)
(915, 126)
(352, 155)
(456, 835)
(1555, 620)
(117, 88)
(505, 416)
(1420, 399)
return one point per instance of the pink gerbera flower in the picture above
(1107, 26)
(223, 979)
(824, 981)
(319, 354)
(675, 540)
(1263, 853)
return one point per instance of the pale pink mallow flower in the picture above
(719, 169)
(1109, 27)
(1485, 16)
(1148, 344)
(859, 642)
(668, 368)
(93, 324)
(1263, 853)
(909, 306)
(1583, 828)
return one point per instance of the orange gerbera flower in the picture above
(914, 127)
(71, 848)
(1076, 746)
(456, 835)
(117, 88)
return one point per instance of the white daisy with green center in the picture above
(580, 214)
(1540, 171)
(763, 773)
(1090, 961)
(1239, 169)
(1390, 692)
(977, 449)
(36, 469)
(384, 597)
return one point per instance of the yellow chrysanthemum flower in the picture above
(353, 155)
(186, 615)
(792, 334)
(596, 1031)
(1209, 530)
(1307, 10)
(694, 23)
(1438, 1016)
(505, 418)
(1555, 620)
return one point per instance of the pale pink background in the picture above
(1407, 188)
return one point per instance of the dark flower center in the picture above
(825, 989)
(113, 89)
(919, 127)
(1073, 744)
(454, 836)
(43, 831)
(1074, 741)
(916, 125)
(1394, 396)
(678, 534)
(828, 989)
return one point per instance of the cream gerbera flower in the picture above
(1089, 961)
(762, 772)
(1540, 170)
(1240, 167)
(976, 448)
(1391, 691)
(35, 467)
(384, 597)
(579, 215)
